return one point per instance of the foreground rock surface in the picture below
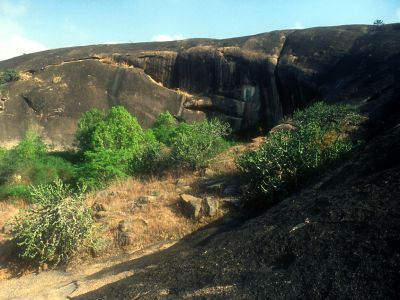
(247, 81)
(337, 239)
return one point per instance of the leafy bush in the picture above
(8, 75)
(109, 141)
(288, 158)
(194, 145)
(29, 163)
(164, 128)
(152, 158)
(55, 227)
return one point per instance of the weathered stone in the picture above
(283, 127)
(143, 200)
(232, 201)
(192, 206)
(209, 206)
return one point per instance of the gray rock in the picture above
(192, 206)
(283, 127)
(143, 200)
(209, 207)
(232, 201)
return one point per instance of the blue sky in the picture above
(33, 25)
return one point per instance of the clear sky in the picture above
(33, 25)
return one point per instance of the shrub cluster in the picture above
(29, 163)
(113, 145)
(55, 227)
(8, 75)
(289, 157)
(109, 142)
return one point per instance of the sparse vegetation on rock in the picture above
(288, 158)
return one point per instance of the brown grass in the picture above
(160, 220)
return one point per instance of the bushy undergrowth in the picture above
(8, 75)
(194, 146)
(109, 142)
(29, 163)
(113, 145)
(55, 227)
(289, 158)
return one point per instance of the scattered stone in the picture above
(143, 200)
(192, 206)
(216, 187)
(232, 201)
(209, 206)
(283, 127)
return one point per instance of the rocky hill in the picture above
(249, 81)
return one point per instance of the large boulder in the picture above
(248, 81)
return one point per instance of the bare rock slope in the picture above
(249, 81)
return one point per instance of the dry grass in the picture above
(159, 220)
(25, 76)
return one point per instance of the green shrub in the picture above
(109, 141)
(288, 158)
(8, 75)
(152, 158)
(55, 227)
(29, 163)
(194, 145)
(164, 128)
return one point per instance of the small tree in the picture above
(108, 142)
(378, 22)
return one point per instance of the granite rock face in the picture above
(248, 81)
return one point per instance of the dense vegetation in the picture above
(112, 145)
(313, 139)
(30, 163)
(7, 76)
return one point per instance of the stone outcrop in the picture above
(248, 81)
